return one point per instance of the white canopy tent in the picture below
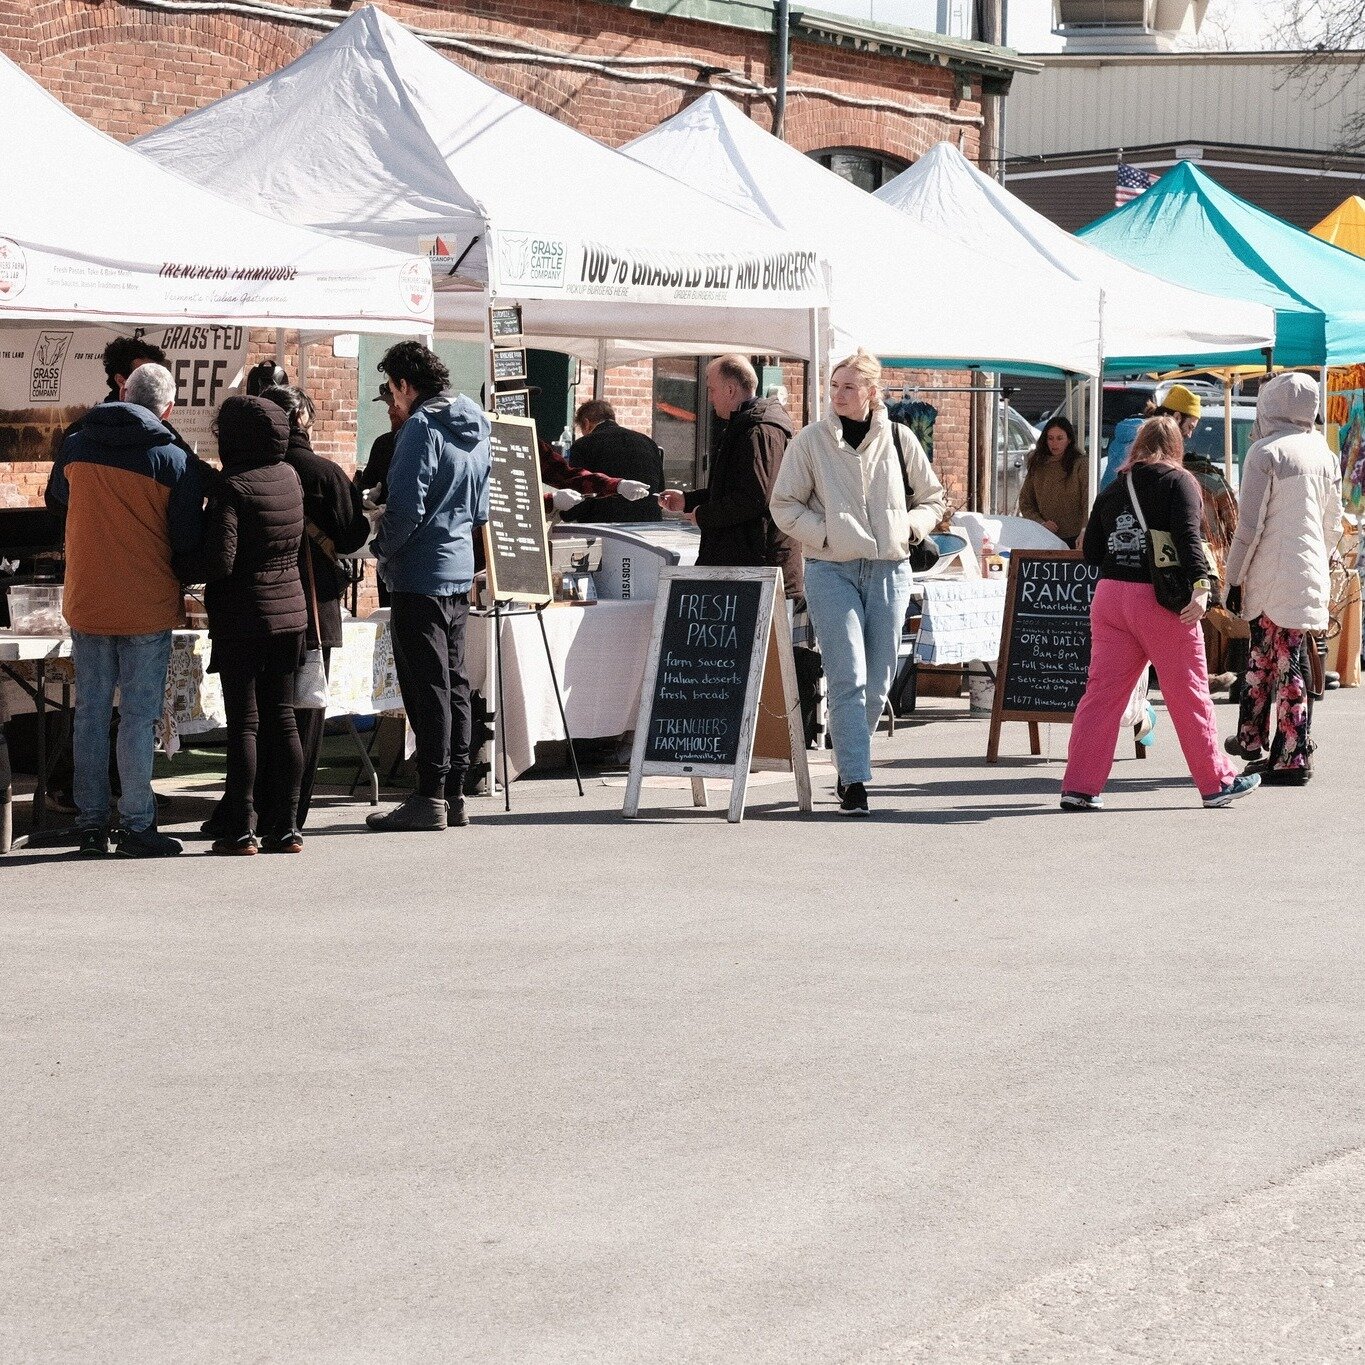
(371, 134)
(1148, 323)
(92, 231)
(901, 290)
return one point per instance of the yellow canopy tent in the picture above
(1345, 226)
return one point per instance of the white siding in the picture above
(1090, 104)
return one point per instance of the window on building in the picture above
(868, 170)
(680, 419)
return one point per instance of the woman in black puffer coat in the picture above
(249, 561)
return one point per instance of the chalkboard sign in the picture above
(699, 688)
(715, 632)
(505, 321)
(1045, 643)
(512, 403)
(516, 541)
(509, 364)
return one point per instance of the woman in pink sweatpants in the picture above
(1129, 629)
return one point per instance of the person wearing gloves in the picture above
(855, 495)
(630, 457)
(1279, 573)
(249, 562)
(1056, 489)
(438, 497)
(1129, 628)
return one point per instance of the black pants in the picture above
(428, 654)
(260, 723)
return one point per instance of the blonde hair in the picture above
(1158, 441)
(868, 368)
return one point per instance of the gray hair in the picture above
(738, 370)
(150, 386)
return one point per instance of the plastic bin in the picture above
(36, 609)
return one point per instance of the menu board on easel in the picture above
(719, 696)
(517, 542)
(1045, 643)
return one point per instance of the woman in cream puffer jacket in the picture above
(1280, 562)
(855, 507)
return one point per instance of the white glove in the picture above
(632, 490)
(565, 498)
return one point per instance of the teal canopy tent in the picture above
(1189, 229)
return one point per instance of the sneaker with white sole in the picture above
(1239, 786)
(852, 798)
(1080, 801)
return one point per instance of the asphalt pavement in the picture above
(972, 1080)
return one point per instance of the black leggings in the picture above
(260, 722)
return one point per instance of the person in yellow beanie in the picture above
(1184, 405)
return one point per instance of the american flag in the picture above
(1129, 183)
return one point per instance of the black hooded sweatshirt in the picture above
(732, 510)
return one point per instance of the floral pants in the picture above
(1275, 677)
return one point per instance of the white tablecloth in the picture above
(363, 682)
(599, 653)
(962, 619)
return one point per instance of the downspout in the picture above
(782, 46)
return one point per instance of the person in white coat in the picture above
(856, 495)
(1279, 573)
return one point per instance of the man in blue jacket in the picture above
(437, 499)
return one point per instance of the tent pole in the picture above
(1096, 414)
(599, 372)
(1227, 427)
(303, 363)
(279, 347)
(1322, 398)
(815, 374)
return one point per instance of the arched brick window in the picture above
(867, 169)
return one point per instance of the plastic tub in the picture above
(36, 609)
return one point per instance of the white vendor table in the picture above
(599, 654)
(961, 619)
(362, 683)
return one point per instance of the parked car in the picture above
(1014, 443)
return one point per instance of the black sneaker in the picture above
(456, 815)
(852, 799)
(1234, 746)
(1080, 801)
(94, 843)
(146, 843)
(244, 846)
(416, 813)
(1286, 777)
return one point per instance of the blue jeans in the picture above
(858, 610)
(135, 665)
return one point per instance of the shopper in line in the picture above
(1056, 488)
(606, 447)
(131, 498)
(249, 562)
(856, 495)
(438, 496)
(1130, 629)
(334, 524)
(1279, 572)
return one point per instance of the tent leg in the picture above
(815, 375)
(1097, 412)
(303, 363)
(279, 347)
(1322, 398)
(599, 373)
(1227, 428)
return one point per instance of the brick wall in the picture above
(128, 69)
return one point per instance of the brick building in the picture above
(865, 99)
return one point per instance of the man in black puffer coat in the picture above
(732, 510)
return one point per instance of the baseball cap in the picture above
(384, 395)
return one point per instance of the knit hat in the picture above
(251, 429)
(1180, 399)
